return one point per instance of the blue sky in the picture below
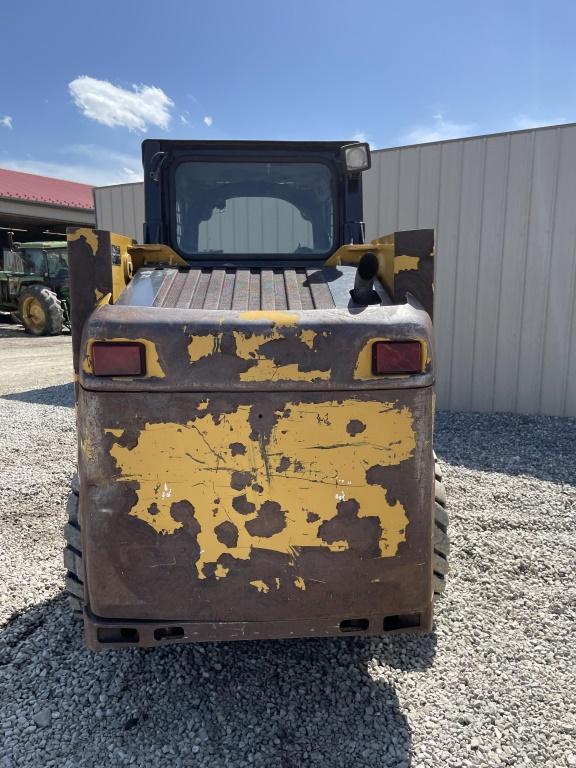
(81, 84)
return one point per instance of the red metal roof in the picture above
(42, 189)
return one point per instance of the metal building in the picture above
(40, 208)
(504, 209)
(120, 208)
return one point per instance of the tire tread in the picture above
(52, 309)
(441, 537)
(73, 562)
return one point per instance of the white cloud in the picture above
(523, 122)
(184, 120)
(362, 136)
(6, 121)
(95, 165)
(208, 120)
(112, 105)
(438, 130)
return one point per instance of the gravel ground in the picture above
(495, 685)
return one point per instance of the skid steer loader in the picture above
(254, 391)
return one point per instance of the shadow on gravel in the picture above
(12, 331)
(59, 394)
(16, 331)
(541, 446)
(269, 703)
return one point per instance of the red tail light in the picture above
(396, 357)
(118, 358)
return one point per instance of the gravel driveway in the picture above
(495, 685)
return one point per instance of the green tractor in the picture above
(35, 289)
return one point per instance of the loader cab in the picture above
(236, 202)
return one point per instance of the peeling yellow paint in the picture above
(153, 367)
(338, 546)
(155, 253)
(261, 586)
(115, 432)
(403, 263)
(280, 317)
(88, 234)
(248, 347)
(202, 346)
(220, 571)
(86, 447)
(363, 368)
(307, 337)
(196, 461)
(268, 370)
(299, 583)
(102, 298)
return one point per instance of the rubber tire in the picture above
(73, 563)
(53, 311)
(441, 538)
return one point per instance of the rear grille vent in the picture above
(246, 289)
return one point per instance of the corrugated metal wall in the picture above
(275, 226)
(120, 208)
(504, 209)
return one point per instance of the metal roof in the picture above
(42, 189)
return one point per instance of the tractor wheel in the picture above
(74, 578)
(40, 311)
(441, 539)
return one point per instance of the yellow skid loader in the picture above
(254, 391)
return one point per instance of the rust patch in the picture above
(242, 505)
(183, 511)
(388, 478)
(283, 465)
(227, 534)
(355, 427)
(361, 534)
(241, 480)
(271, 520)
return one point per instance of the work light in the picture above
(357, 157)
